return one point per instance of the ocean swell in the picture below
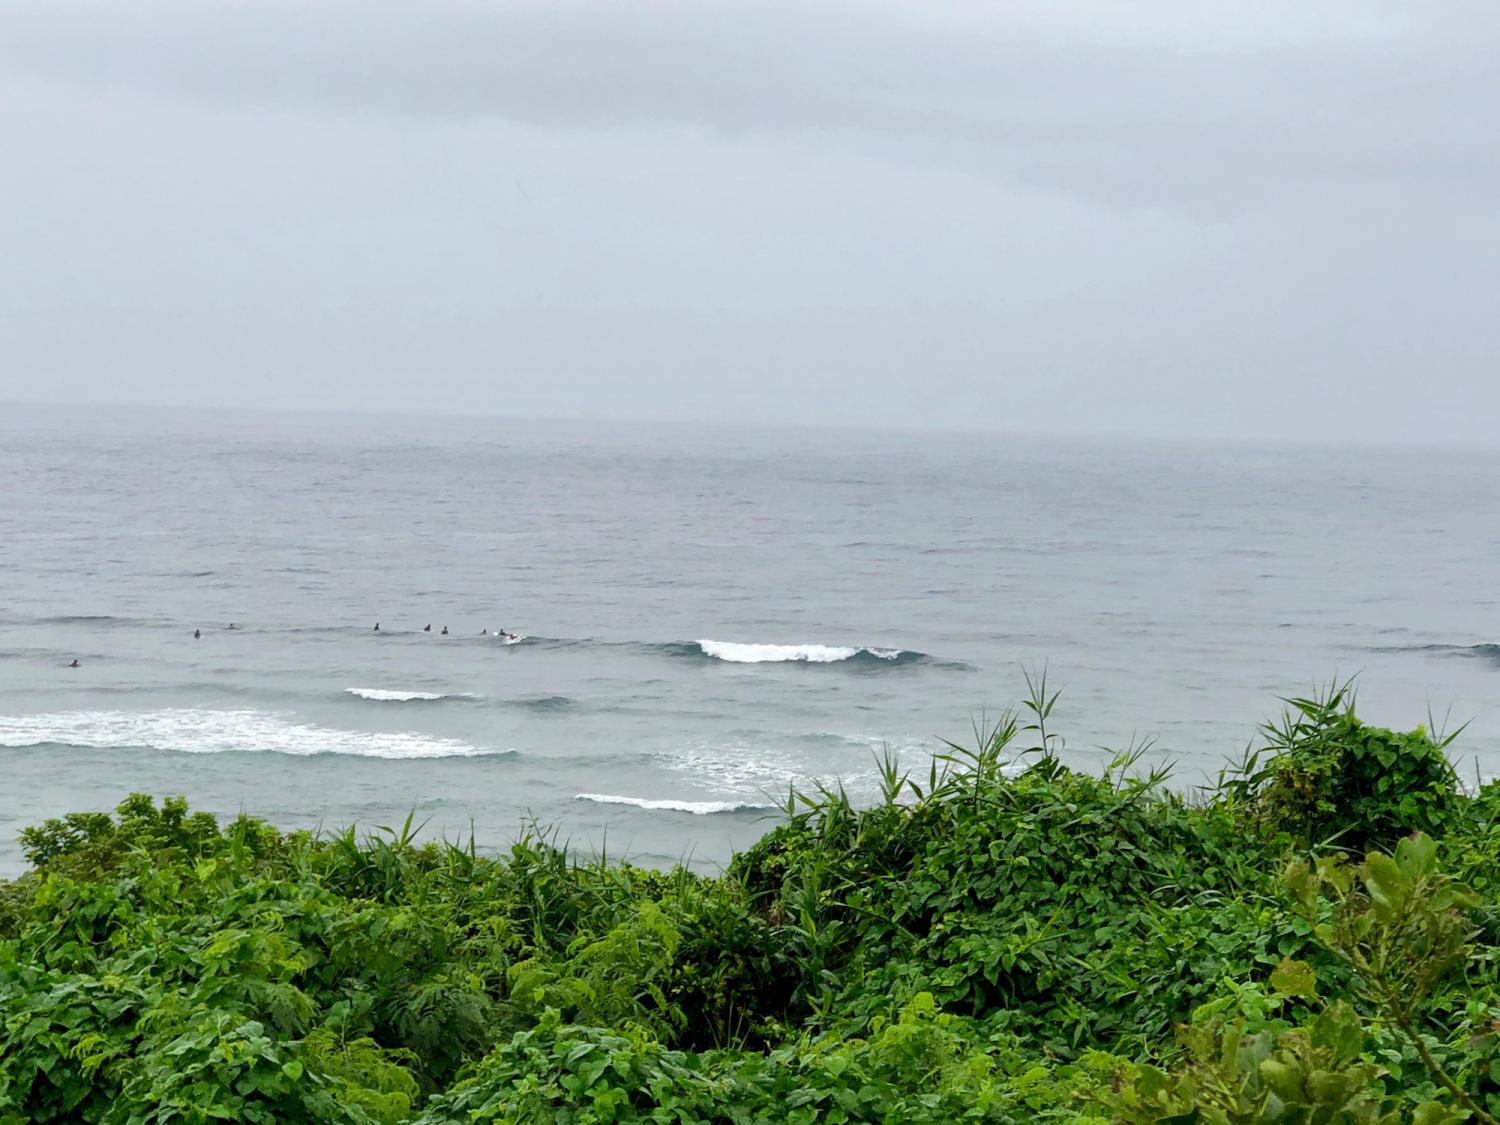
(543, 704)
(1489, 653)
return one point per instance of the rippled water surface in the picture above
(706, 614)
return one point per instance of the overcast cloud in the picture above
(1264, 218)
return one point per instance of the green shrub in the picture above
(1329, 778)
(1003, 940)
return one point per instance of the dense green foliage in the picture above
(1004, 939)
(1331, 777)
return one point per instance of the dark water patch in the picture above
(1488, 653)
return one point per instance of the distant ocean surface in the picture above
(708, 614)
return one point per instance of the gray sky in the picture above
(1266, 218)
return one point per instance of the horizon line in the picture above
(1085, 434)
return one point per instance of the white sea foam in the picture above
(697, 808)
(740, 770)
(763, 772)
(769, 654)
(382, 695)
(195, 731)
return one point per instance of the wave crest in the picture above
(383, 695)
(696, 808)
(737, 653)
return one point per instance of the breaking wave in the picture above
(736, 653)
(197, 731)
(696, 808)
(382, 695)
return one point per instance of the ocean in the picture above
(707, 614)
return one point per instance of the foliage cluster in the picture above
(1001, 939)
(1330, 777)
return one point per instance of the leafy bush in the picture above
(1331, 778)
(1003, 939)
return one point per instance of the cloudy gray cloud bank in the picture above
(1223, 218)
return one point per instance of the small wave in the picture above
(697, 808)
(548, 704)
(98, 620)
(197, 731)
(382, 695)
(532, 640)
(735, 653)
(198, 688)
(1489, 653)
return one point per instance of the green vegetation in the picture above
(1316, 938)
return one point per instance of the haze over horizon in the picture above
(1261, 220)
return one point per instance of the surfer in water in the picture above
(197, 634)
(426, 628)
(75, 663)
(377, 627)
(231, 627)
(445, 630)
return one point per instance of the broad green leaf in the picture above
(1294, 978)
(1337, 1029)
(1386, 886)
(1416, 856)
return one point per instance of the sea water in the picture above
(707, 615)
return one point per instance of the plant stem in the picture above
(1435, 1069)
